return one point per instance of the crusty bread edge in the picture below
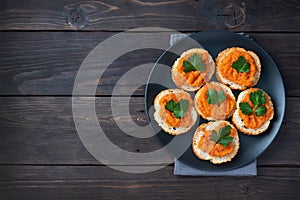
(160, 120)
(237, 121)
(175, 66)
(226, 89)
(231, 84)
(204, 155)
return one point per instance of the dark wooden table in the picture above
(43, 44)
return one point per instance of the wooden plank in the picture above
(181, 15)
(274, 47)
(40, 130)
(99, 182)
(29, 67)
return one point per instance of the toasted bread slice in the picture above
(193, 80)
(207, 152)
(252, 124)
(166, 119)
(233, 78)
(212, 111)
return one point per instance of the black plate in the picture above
(214, 42)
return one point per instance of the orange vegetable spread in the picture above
(251, 120)
(213, 149)
(241, 78)
(169, 117)
(218, 111)
(193, 78)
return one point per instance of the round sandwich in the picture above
(215, 101)
(216, 141)
(192, 69)
(254, 111)
(174, 111)
(238, 68)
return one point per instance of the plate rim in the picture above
(280, 116)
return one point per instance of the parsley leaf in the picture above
(214, 136)
(214, 97)
(194, 63)
(258, 99)
(170, 105)
(223, 137)
(241, 65)
(260, 111)
(245, 108)
(179, 109)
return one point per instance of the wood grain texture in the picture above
(99, 182)
(43, 44)
(29, 67)
(181, 15)
(40, 130)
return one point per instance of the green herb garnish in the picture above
(194, 63)
(258, 99)
(241, 65)
(223, 137)
(245, 108)
(260, 111)
(179, 109)
(214, 97)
